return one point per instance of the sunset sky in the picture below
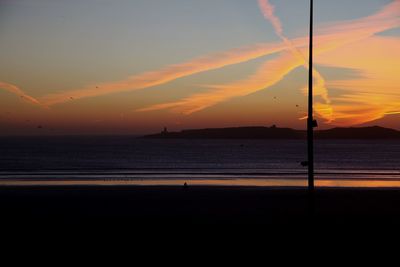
(135, 66)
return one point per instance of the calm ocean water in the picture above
(123, 159)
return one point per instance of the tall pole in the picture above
(310, 121)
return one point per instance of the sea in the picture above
(127, 160)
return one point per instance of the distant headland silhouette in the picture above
(274, 132)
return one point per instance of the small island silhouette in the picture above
(273, 132)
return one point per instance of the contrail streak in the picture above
(329, 37)
(270, 73)
(267, 75)
(217, 60)
(170, 73)
(15, 90)
(268, 11)
(342, 35)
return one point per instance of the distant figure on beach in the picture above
(185, 185)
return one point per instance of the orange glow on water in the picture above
(337, 183)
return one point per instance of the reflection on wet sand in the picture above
(211, 182)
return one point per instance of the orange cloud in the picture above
(376, 91)
(329, 38)
(324, 109)
(276, 69)
(218, 60)
(169, 73)
(268, 74)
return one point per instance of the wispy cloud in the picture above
(21, 94)
(169, 73)
(319, 85)
(330, 38)
(268, 74)
(375, 92)
(292, 54)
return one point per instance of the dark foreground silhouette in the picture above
(179, 206)
(260, 132)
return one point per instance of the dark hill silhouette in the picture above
(260, 132)
(374, 132)
(256, 132)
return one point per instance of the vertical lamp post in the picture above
(310, 121)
